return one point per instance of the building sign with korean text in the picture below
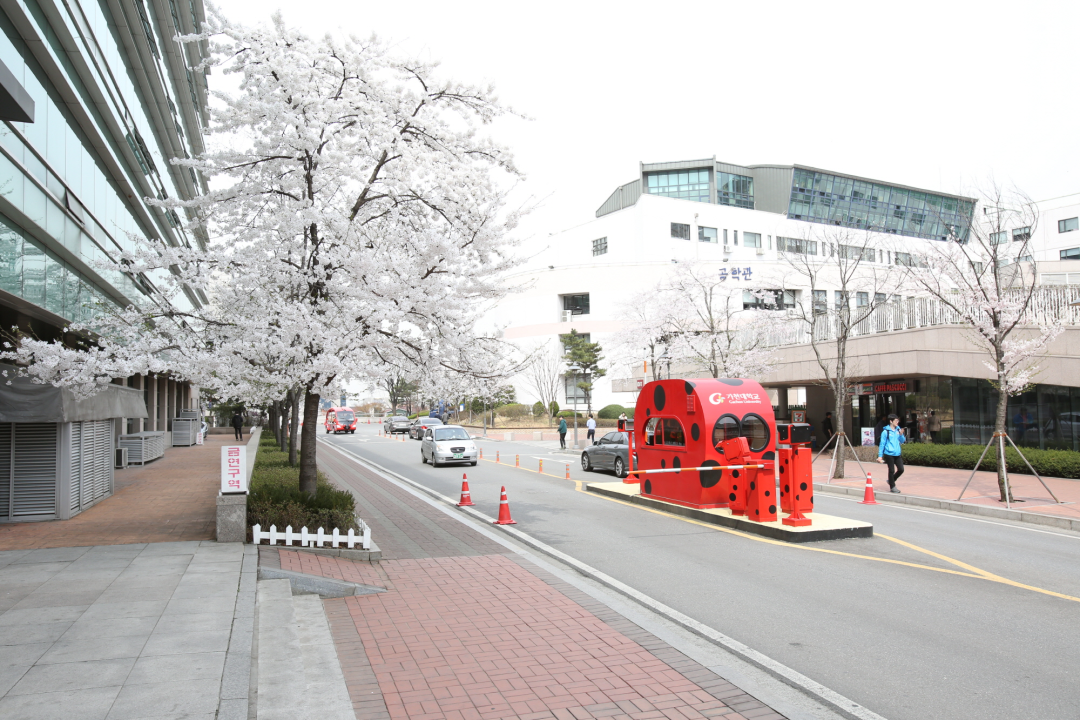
(735, 273)
(234, 469)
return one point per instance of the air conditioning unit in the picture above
(568, 316)
(120, 460)
(727, 248)
(761, 251)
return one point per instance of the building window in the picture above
(1071, 254)
(999, 238)
(599, 246)
(680, 231)
(706, 234)
(835, 200)
(571, 388)
(684, 184)
(841, 301)
(1068, 225)
(576, 304)
(862, 299)
(904, 259)
(795, 245)
(768, 299)
(821, 302)
(1025, 258)
(857, 252)
(735, 235)
(1021, 234)
(735, 190)
(751, 239)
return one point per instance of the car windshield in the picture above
(431, 421)
(451, 434)
(344, 416)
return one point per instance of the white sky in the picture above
(938, 95)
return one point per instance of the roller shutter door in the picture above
(32, 473)
(91, 462)
(5, 470)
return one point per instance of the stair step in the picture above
(299, 673)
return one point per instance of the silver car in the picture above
(395, 424)
(611, 452)
(447, 444)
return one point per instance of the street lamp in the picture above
(575, 369)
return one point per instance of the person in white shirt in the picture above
(591, 424)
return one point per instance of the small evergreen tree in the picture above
(587, 356)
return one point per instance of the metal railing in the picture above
(1049, 305)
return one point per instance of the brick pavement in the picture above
(172, 499)
(468, 630)
(946, 484)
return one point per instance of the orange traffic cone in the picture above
(466, 496)
(504, 511)
(868, 496)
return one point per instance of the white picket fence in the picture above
(319, 538)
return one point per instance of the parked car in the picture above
(611, 452)
(396, 424)
(447, 444)
(420, 424)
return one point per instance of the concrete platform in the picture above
(824, 527)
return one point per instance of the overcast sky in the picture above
(938, 95)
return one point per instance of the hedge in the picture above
(1049, 463)
(274, 497)
(612, 412)
(512, 411)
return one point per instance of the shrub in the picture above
(538, 409)
(611, 412)
(553, 409)
(569, 414)
(1051, 463)
(512, 411)
(274, 497)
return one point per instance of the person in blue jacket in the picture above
(892, 437)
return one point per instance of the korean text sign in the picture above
(234, 469)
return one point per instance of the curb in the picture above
(316, 584)
(956, 506)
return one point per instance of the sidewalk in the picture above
(468, 630)
(946, 484)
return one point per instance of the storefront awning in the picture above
(23, 401)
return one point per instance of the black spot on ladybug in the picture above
(659, 398)
(768, 456)
(695, 431)
(802, 486)
(734, 473)
(689, 387)
(732, 497)
(782, 469)
(753, 485)
(648, 412)
(709, 478)
(757, 512)
(768, 493)
(663, 464)
(798, 496)
(772, 509)
(730, 381)
(648, 487)
(785, 461)
(787, 488)
(676, 463)
(734, 487)
(811, 501)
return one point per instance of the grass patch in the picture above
(274, 497)
(1049, 463)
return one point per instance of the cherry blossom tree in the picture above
(986, 276)
(357, 223)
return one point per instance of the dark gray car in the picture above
(611, 452)
(396, 424)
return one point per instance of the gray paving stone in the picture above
(194, 622)
(236, 709)
(146, 582)
(52, 555)
(9, 675)
(57, 598)
(121, 593)
(172, 548)
(174, 668)
(31, 572)
(66, 651)
(111, 627)
(23, 655)
(26, 616)
(32, 633)
(89, 704)
(187, 606)
(214, 568)
(73, 676)
(129, 608)
(185, 591)
(187, 642)
(165, 698)
(10, 556)
(132, 549)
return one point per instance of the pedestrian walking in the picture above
(892, 437)
(622, 422)
(238, 425)
(934, 425)
(827, 427)
(562, 433)
(590, 424)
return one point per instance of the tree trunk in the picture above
(308, 440)
(294, 426)
(283, 442)
(999, 427)
(272, 415)
(838, 413)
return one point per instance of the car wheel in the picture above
(619, 468)
(586, 463)
(327, 431)
(434, 460)
(423, 457)
(473, 463)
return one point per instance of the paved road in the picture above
(938, 627)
